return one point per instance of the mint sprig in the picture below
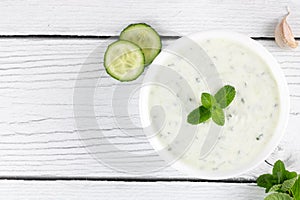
(282, 184)
(212, 106)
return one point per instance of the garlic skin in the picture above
(284, 36)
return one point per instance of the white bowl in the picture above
(283, 95)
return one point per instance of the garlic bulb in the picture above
(284, 36)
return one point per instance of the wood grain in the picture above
(255, 18)
(46, 190)
(37, 122)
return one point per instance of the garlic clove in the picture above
(284, 36)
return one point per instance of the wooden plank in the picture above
(38, 132)
(43, 190)
(107, 18)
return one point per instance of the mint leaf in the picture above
(225, 96)
(217, 115)
(279, 171)
(288, 184)
(278, 196)
(276, 188)
(207, 100)
(296, 189)
(266, 181)
(289, 175)
(199, 115)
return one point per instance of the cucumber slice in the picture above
(145, 37)
(124, 60)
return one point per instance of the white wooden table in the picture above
(43, 46)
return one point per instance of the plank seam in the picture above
(120, 179)
(71, 36)
(41, 36)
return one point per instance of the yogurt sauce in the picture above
(251, 118)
